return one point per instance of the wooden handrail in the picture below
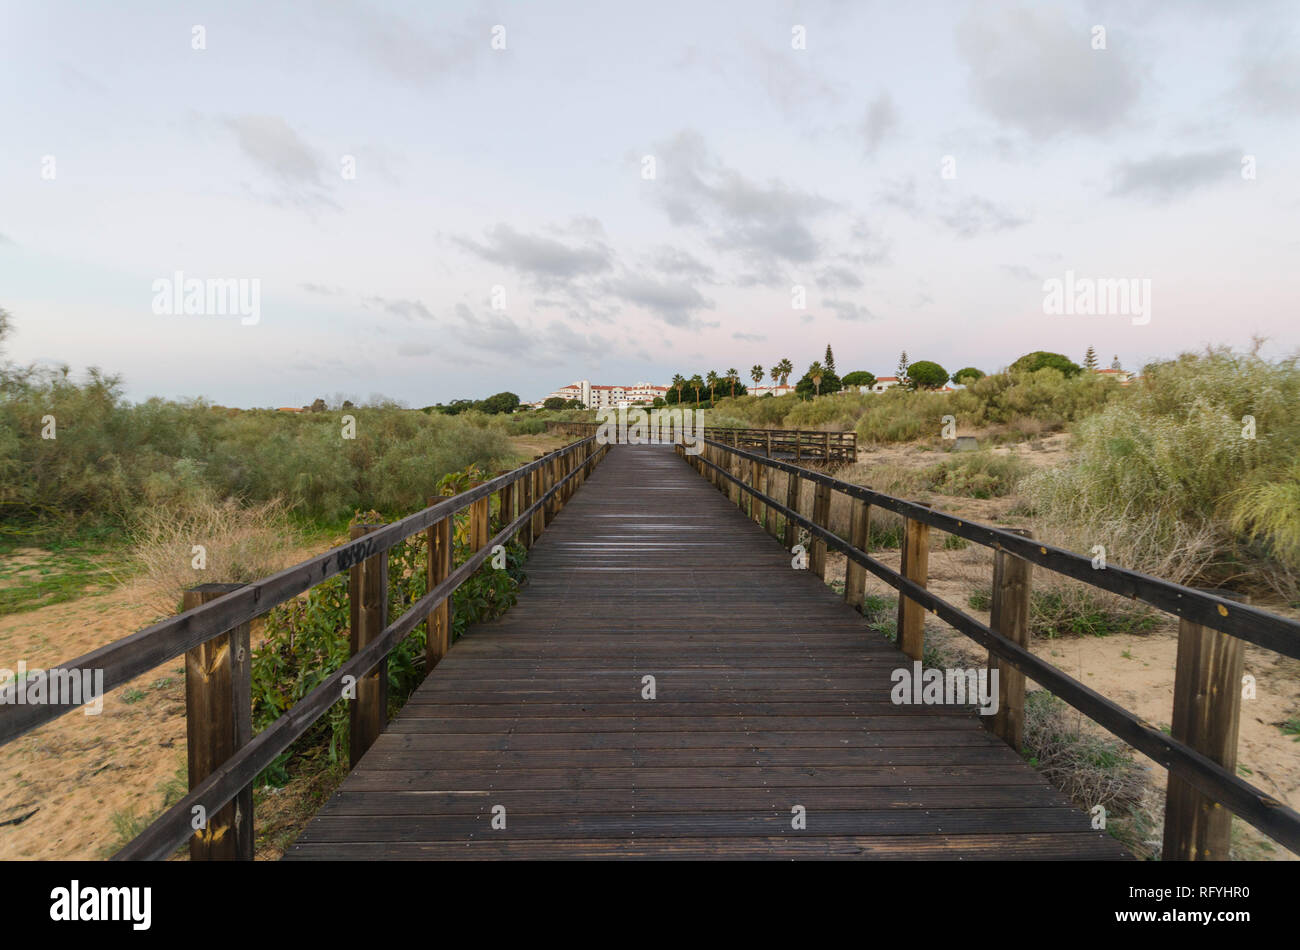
(1181, 759)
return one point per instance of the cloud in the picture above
(498, 334)
(1034, 71)
(789, 79)
(838, 276)
(974, 215)
(767, 224)
(900, 195)
(674, 302)
(280, 153)
(847, 310)
(321, 289)
(749, 337)
(880, 120)
(679, 263)
(411, 51)
(276, 148)
(545, 260)
(1166, 176)
(409, 309)
(415, 349)
(1269, 83)
(1020, 271)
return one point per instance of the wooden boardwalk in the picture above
(770, 693)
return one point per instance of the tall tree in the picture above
(733, 377)
(830, 359)
(776, 376)
(1090, 359)
(756, 374)
(1114, 364)
(902, 368)
(678, 382)
(927, 374)
(697, 384)
(815, 373)
(712, 380)
(786, 368)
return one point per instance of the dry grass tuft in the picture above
(240, 543)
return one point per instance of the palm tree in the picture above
(712, 379)
(815, 373)
(776, 375)
(697, 384)
(756, 374)
(733, 377)
(786, 369)
(678, 382)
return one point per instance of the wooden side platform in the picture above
(770, 694)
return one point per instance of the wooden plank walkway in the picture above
(770, 694)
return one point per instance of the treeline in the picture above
(500, 404)
(76, 453)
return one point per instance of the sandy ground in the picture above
(62, 785)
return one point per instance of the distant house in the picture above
(884, 382)
(1122, 376)
(774, 390)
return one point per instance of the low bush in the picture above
(1191, 476)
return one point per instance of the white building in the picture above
(883, 383)
(620, 397)
(774, 390)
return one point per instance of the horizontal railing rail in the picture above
(1183, 759)
(804, 444)
(546, 483)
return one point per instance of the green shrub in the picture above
(306, 639)
(111, 458)
(976, 475)
(1166, 480)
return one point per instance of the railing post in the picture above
(539, 488)
(368, 604)
(218, 723)
(821, 517)
(770, 514)
(1009, 616)
(1207, 716)
(758, 479)
(798, 445)
(826, 446)
(855, 575)
(791, 502)
(916, 568)
(769, 443)
(548, 480)
(479, 527)
(506, 500)
(733, 490)
(437, 639)
(525, 484)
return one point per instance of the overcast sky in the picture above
(524, 169)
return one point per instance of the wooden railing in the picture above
(801, 445)
(1200, 753)
(213, 633)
